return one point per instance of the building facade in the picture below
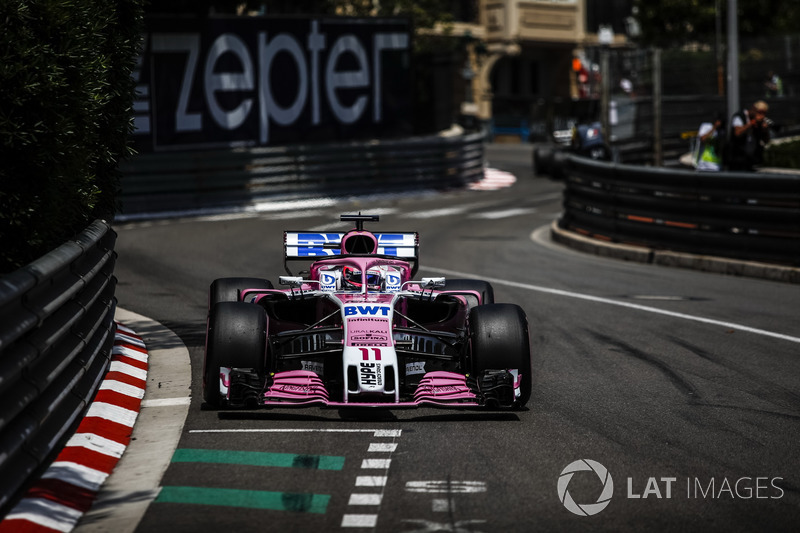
(528, 57)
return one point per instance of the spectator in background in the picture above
(773, 85)
(711, 144)
(749, 135)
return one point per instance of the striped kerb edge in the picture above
(70, 485)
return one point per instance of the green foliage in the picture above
(783, 153)
(424, 14)
(669, 22)
(688, 72)
(664, 22)
(65, 73)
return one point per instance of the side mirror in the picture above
(429, 283)
(295, 281)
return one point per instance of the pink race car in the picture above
(358, 331)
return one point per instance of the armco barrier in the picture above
(56, 332)
(56, 314)
(747, 216)
(161, 182)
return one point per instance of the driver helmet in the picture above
(351, 279)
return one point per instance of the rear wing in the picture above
(299, 245)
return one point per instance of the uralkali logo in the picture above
(585, 509)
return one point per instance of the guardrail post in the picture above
(658, 148)
(605, 90)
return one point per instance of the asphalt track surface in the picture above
(682, 385)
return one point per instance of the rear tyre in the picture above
(236, 338)
(499, 336)
(227, 289)
(484, 288)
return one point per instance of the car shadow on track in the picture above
(376, 415)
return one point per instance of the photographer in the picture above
(710, 144)
(749, 135)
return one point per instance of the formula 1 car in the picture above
(357, 331)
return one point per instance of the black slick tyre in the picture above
(236, 338)
(484, 288)
(227, 289)
(499, 338)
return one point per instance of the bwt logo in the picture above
(366, 310)
(393, 282)
(586, 509)
(328, 281)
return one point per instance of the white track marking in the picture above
(167, 402)
(448, 211)
(441, 505)
(433, 213)
(359, 520)
(628, 305)
(96, 443)
(494, 215)
(122, 388)
(375, 432)
(291, 215)
(371, 481)
(365, 499)
(114, 413)
(377, 483)
(130, 339)
(446, 486)
(119, 366)
(46, 513)
(388, 432)
(389, 447)
(382, 464)
(493, 179)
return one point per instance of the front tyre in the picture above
(499, 339)
(229, 289)
(236, 338)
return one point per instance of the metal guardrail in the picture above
(548, 157)
(749, 216)
(56, 333)
(56, 314)
(161, 182)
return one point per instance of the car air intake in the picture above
(359, 244)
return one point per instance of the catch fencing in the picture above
(179, 181)
(56, 333)
(746, 216)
